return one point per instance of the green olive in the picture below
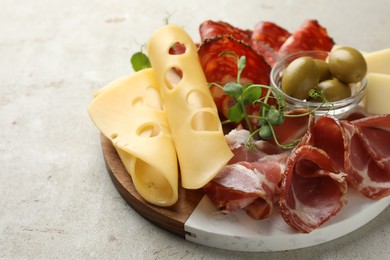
(347, 64)
(323, 69)
(334, 90)
(299, 77)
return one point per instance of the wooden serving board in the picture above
(170, 218)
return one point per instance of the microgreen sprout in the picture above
(270, 114)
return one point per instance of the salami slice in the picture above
(310, 36)
(267, 52)
(270, 34)
(222, 69)
(210, 29)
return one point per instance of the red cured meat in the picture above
(367, 156)
(374, 132)
(270, 56)
(267, 37)
(360, 148)
(312, 191)
(294, 127)
(309, 36)
(222, 69)
(210, 29)
(329, 135)
(270, 34)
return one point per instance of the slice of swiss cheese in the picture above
(129, 113)
(192, 115)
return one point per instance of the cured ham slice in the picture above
(329, 135)
(375, 135)
(360, 148)
(294, 127)
(249, 186)
(251, 179)
(367, 156)
(312, 191)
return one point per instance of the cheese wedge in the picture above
(378, 62)
(192, 115)
(377, 99)
(129, 113)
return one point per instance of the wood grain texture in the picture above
(170, 218)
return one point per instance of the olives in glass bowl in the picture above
(338, 76)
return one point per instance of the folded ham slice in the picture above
(251, 180)
(367, 161)
(242, 184)
(360, 148)
(312, 190)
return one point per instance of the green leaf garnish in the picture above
(235, 113)
(250, 94)
(233, 89)
(140, 61)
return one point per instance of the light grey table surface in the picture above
(56, 198)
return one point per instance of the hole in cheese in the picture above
(173, 77)
(148, 130)
(177, 48)
(205, 121)
(152, 98)
(137, 102)
(198, 99)
(151, 183)
(114, 135)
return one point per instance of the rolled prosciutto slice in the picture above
(367, 161)
(312, 190)
(360, 148)
(374, 132)
(250, 186)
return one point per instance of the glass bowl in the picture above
(337, 108)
